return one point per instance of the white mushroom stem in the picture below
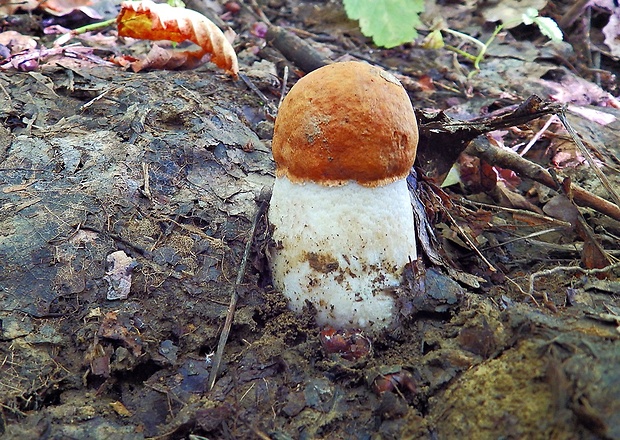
(342, 248)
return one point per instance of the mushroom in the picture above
(344, 141)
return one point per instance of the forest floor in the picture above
(127, 201)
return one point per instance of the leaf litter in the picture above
(166, 168)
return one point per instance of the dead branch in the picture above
(296, 50)
(443, 139)
(586, 153)
(507, 159)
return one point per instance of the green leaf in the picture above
(388, 22)
(549, 28)
(452, 178)
(529, 15)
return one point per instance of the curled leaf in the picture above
(162, 58)
(434, 40)
(152, 21)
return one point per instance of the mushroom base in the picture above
(342, 248)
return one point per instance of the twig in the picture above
(523, 291)
(217, 359)
(8, 97)
(507, 159)
(257, 11)
(525, 237)
(271, 109)
(95, 99)
(470, 242)
(519, 212)
(454, 135)
(284, 83)
(538, 135)
(13, 410)
(296, 50)
(586, 153)
(147, 187)
(203, 7)
(573, 13)
(140, 250)
(547, 272)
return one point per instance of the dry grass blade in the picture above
(151, 21)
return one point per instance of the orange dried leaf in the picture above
(64, 7)
(123, 60)
(151, 21)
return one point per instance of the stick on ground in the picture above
(217, 359)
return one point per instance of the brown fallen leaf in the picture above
(123, 60)
(119, 328)
(53, 7)
(17, 42)
(562, 208)
(64, 7)
(9, 8)
(168, 59)
(512, 199)
(151, 21)
(120, 409)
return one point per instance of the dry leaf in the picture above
(612, 32)
(168, 59)
(120, 409)
(593, 115)
(512, 199)
(569, 88)
(119, 275)
(17, 42)
(150, 21)
(562, 208)
(123, 60)
(53, 7)
(64, 7)
(9, 8)
(593, 256)
(509, 11)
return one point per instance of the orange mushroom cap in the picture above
(345, 122)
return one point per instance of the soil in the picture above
(127, 203)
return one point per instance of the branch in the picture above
(507, 159)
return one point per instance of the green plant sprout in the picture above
(393, 22)
(435, 41)
(63, 39)
(546, 25)
(93, 26)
